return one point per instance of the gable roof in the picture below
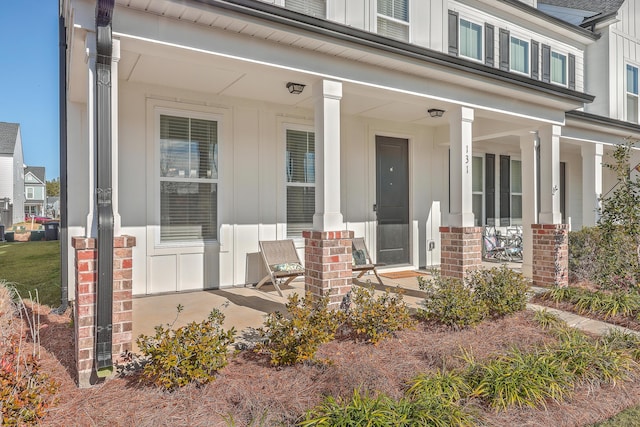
(8, 137)
(587, 10)
(37, 171)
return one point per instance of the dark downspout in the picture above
(64, 245)
(104, 297)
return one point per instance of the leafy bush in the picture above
(502, 290)
(190, 354)
(378, 318)
(296, 338)
(451, 302)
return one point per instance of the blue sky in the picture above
(29, 78)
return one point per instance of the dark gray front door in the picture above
(392, 200)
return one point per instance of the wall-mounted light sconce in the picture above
(435, 112)
(295, 88)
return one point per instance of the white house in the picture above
(200, 127)
(11, 172)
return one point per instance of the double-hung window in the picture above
(477, 190)
(30, 193)
(188, 178)
(317, 8)
(301, 181)
(632, 93)
(516, 192)
(470, 39)
(559, 68)
(393, 19)
(519, 55)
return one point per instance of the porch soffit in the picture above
(384, 53)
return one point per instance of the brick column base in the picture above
(84, 310)
(461, 250)
(328, 262)
(550, 254)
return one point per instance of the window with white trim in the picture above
(632, 94)
(317, 8)
(516, 192)
(470, 39)
(393, 19)
(477, 190)
(301, 181)
(30, 193)
(188, 178)
(519, 55)
(558, 68)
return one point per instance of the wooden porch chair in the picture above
(362, 260)
(282, 262)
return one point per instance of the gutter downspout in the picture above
(62, 85)
(104, 288)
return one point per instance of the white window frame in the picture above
(176, 112)
(517, 221)
(460, 39)
(566, 68)
(527, 56)
(394, 20)
(631, 94)
(306, 11)
(32, 191)
(287, 184)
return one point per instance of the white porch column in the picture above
(114, 137)
(327, 95)
(550, 175)
(591, 183)
(460, 136)
(90, 59)
(528, 145)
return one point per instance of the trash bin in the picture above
(1, 233)
(51, 230)
(9, 236)
(36, 235)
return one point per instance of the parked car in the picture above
(37, 219)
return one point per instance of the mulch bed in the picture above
(248, 389)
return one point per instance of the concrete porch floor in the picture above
(245, 307)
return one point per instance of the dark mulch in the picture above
(248, 389)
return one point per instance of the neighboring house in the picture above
(11, 174)
(53, 207)
(201, 127)
(35, 190)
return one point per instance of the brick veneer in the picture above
(328, 262)
(461, 250)
(84, 310)
(550, 254)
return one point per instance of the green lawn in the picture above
(31, 266)
(626, 418)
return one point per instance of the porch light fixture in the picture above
(295, 88)
(435, 112)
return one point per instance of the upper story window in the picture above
(30, 193)
(632, 93)
(559, 68)
(317, 8)
(470, 39)
(519, 55)
(301, 181)
(188, 150)
(393, 19)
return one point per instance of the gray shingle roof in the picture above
(598, 6)
(8, 136)
(38, 171)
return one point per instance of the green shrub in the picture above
(518, 379)
(376, 318)
(502, 290)
(190, 354)
(451, 302)
(296, 338)
(548, 320)
(450, 386)
(605, 303)
(559, 294)
(25, 392)
(620, 340)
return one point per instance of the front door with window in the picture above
(392, 200)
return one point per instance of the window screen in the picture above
(300, 173)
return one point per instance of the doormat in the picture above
(402, 274)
